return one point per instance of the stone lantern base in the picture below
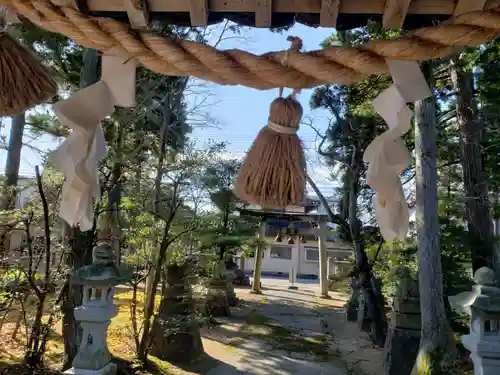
(176, 332)
(178, 347)
(403, 337)
(216, 300)
(109, 369)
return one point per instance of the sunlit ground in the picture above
(120, 339)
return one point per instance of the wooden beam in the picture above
(464, 6)
(329, 13)
(395, 13)
(283, 6)
(138, 14)
(437, 7)
(263, 13)
(198, 12)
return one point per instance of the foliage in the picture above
(224, 230)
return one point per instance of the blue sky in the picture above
(240, 112)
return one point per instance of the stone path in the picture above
(298, 312)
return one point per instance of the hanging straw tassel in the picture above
(24, 80)
(273, 174)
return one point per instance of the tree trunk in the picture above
(171, 104)
(149, 307)
(13, 161)
(80, 242)
(225, 225)
(114, 195)
(150, 279)
(437, 343)
(479, 219)
(496, 222)
(8, 191)
(90, 70)
(366, 282)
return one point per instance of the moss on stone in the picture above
(431, 363)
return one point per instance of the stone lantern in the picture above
(217, 303)
(483, 306)
(98, 282)
(403, 334)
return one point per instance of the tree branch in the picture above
(334, 218)
(46, 228)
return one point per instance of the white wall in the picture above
(274, 265)
(298, 261)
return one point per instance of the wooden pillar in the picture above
(323, 276)
(258, 258)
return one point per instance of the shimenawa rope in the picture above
(343, 65)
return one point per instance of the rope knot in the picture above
(296, 43)
(295, 46)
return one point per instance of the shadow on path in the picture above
(282, 332)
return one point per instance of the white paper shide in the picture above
(387, 155)
(79, 155)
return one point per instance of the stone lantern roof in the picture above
(103, 270)
(484, 297)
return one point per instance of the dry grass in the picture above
(120, 341)
(26, 82)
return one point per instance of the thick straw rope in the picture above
(343, 65)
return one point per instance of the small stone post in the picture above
(403, 336)
(329, 267)
(258, 259)
(231, 294)
(95, 313)
(364, 318)
(351, 307)
(323, 276)
(483, 306)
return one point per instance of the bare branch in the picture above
(46, 228)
